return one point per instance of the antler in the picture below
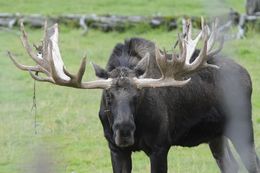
(174, 69)
(50, 63)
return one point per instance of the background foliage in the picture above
(69, 134)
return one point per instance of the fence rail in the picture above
(108, 23)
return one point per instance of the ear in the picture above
(100, 72)
(142, 65)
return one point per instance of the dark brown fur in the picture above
(213, 107)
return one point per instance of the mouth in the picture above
(124, 141)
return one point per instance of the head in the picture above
(122, 100)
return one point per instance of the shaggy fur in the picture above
(213, 107)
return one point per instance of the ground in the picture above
(68, 129)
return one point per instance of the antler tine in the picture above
(45, 40)
(202, 55)
(182, 47)
(26, 45)
(202, 24)
(209, 39)
(167, 78)
(38, 78)
(82, 68)
(36, 68)
(189, 29)
(190, 43)
(213, 35)
(174, 71)
(78, 77)
(21, 66)
(51, 63)
(54, 72)
(217, 50)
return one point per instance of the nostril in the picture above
(125, 133)
(123, 126)
(124, 130)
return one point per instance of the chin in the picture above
(124, 142)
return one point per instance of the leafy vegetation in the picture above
(68, 128)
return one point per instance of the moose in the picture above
(153, 99)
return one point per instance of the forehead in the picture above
(122, 78)
(121, 72)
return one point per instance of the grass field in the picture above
(69, 133)
(126, 7)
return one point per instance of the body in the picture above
(213, 106)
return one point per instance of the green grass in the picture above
(69, 131)
(144, 7)
(68, 124)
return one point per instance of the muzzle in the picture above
(124, 134)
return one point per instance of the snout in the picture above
(124, 134)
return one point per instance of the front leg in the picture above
(158, 160)
(121, 161)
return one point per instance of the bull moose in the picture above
(153, 100)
